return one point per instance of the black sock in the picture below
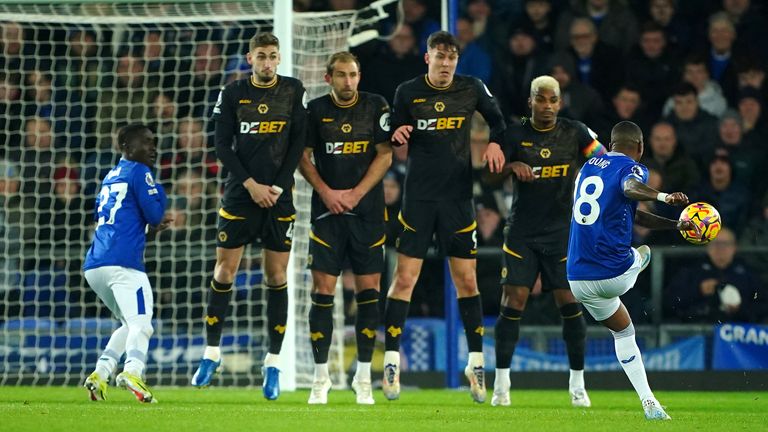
(471, 311)
(321, 326)
(394, 320)
(507, 335)
(218, 302)
(366, 324)
(277, 315)
(574, 334)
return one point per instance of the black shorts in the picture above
(453, 222)
(338, 240)
(525, 257)
(245, 223)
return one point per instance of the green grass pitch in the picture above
(235, 409)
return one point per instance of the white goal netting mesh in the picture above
(70, 76)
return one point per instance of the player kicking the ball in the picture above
(129, 200)
(601, 263)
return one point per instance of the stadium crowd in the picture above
(691, 73)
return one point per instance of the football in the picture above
(706, 217)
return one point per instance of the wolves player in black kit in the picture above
(431, 114)
(260, 126)
(348, 133)
(546, 153)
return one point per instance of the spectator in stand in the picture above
(731, 200)
(696, 129)
(200, 86)
(750, 106)
(597, 64)
(16, 226)
(751, 73)
(37, 156)
(11, 120)
(165, 116)
(677, 170)
(61, 108)
(746, 157)
(518, 65)
(540, 18)
(17, 57)
(397, 61)
(474, 59)
(678, 31)
(578, 101)
(751, 24)
(126, 98)
(721, 54)
(192, 152)
(708, 91)
(652, 66)
(626, 105)
(415, 15)
(487, 27)
(721, 288)
(193, 208)
(615, 24)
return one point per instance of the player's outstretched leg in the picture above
(507, 333)
(575, 337)
(97, 381)
(320, 333)
(277, 318)
(394, 320)
(365, 330)
(218, 302)
(471, 311)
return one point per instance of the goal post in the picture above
(73, 72)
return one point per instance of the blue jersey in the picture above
(601, 225)
(129, 200)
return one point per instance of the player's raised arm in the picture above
(297, 138)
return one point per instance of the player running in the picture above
(546, 151)
(432, 115)
(348, 134)
(260, 125)
(129, 200)
(601, 263)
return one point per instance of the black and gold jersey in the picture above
(344, 138)
(260, 133)
(555, 155)
(439, 165)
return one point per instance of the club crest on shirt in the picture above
(346, 128)
(262, 108)
(439, 106)
(150, 181)
(545, 153)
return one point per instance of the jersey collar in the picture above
(268, 85)
(343, 105)
(426, 80)
(543, 130)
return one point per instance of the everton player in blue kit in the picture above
(601, 263)
(129, 200)
(260, 126)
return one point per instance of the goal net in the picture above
(70, 76)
